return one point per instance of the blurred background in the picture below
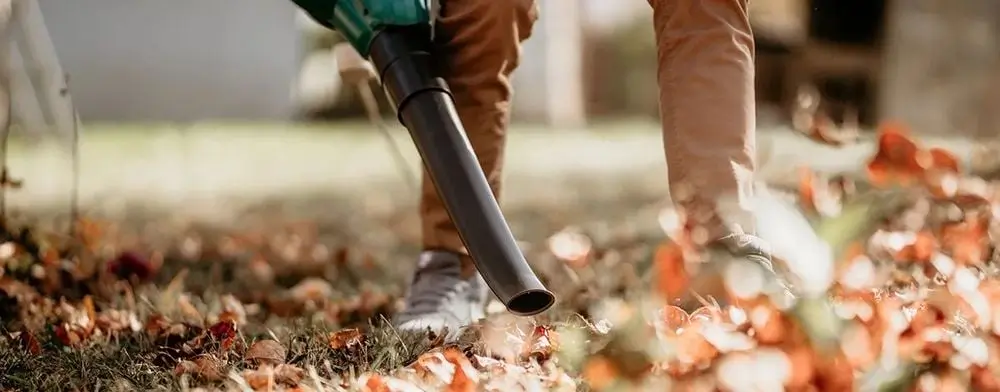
(197, 100)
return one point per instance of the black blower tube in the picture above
(426, 108)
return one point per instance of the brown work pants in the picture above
(705, 54)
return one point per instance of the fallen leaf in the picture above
(348, 339)
(29, 342)
(314, 290)
(896, 160)
(599, 373)
(542, 343)
(465, 378)
(265, 352)
(571, 246)
(207, 367)
(288, 374)
(224, 332)
(672, 279)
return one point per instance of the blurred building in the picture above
(177, 60)
(934, 64)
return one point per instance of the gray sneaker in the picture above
(440, 298)
(740, 248)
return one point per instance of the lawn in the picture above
(291, 290)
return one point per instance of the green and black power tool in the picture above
(396, 37)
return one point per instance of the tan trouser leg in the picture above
(706, 78)
(481, 42)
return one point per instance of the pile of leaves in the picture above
(904, 294)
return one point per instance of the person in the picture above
(705, 53)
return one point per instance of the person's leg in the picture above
(480, 46)
(706, 78)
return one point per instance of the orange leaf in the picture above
(466, 378)
(896, 160)
(674, 318)
(823, 130)
(944, 160)
(600, 372)
(694, 348)
(671, 273)
(966, 241)
(346, 339)
(375, 383)
(920, 250)
(542, 343)
(807, 191)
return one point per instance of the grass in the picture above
(134, 362)
(320, 273)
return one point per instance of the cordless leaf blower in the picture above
(396, 37)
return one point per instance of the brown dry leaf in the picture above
(825, 131)
(265, 352)
(206, 367)
(260, 379)
(233, 310)
(17, 289)
(114, 321)
(571, 246)
(809, 120)
(348, 339)
(29, 342)
(90, 232)
(225, 332)
(78, 323)
(541, 344)
(288, 374)
(187, 309)
(312, 289)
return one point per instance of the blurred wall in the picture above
(942, 67)
(599, 17)
(177, 60)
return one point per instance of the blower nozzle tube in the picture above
(426, 108)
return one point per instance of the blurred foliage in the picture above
(623, 65)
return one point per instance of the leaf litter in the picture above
(902, 293)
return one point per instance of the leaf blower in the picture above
(396, 37)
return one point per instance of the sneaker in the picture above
(439, 298)
(736, 248)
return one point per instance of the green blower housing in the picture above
(395, 35)
(358, 21)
